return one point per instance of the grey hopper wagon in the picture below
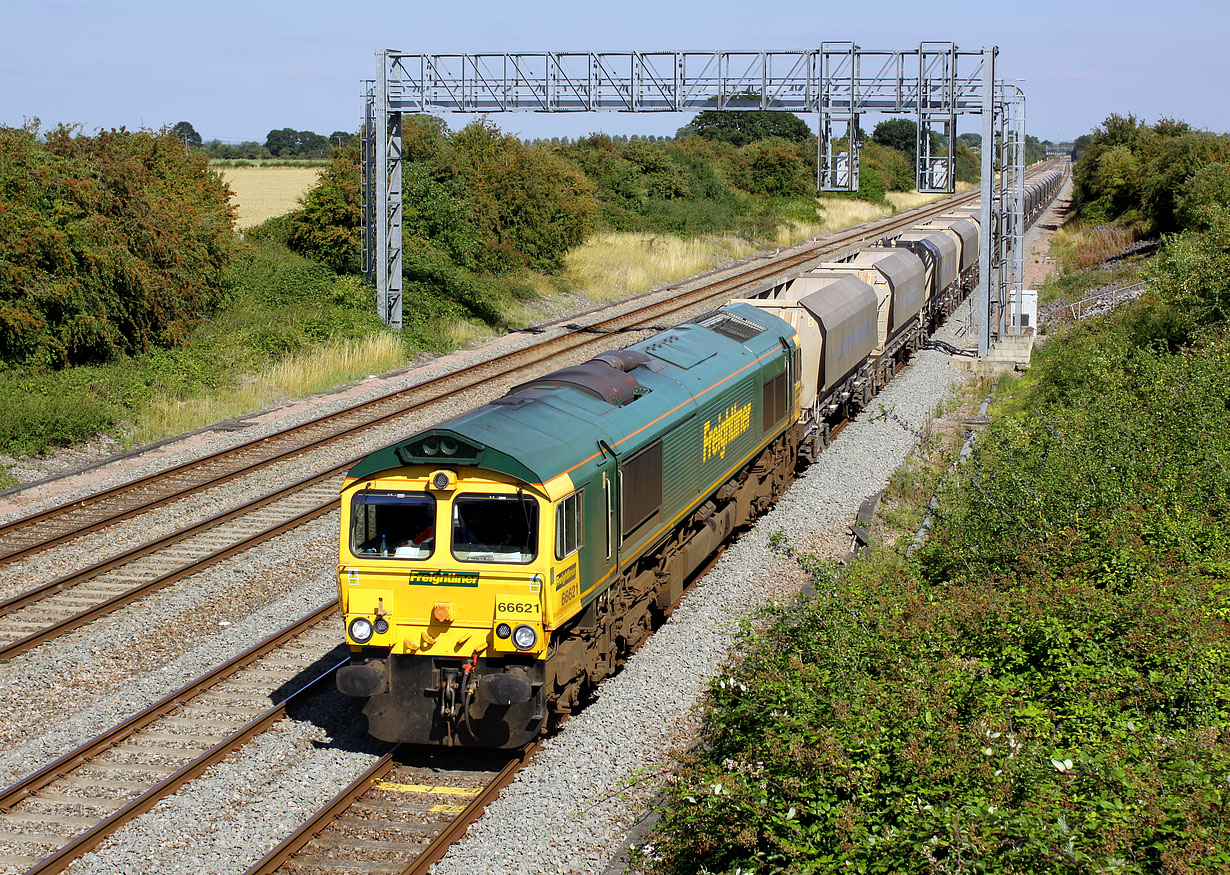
(836, 318)
(964, 232)
(896, 276)
(939, 253)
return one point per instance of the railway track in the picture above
(398, 817)
(37, 532)
(71, 805)
(111, 779)
(47, 611)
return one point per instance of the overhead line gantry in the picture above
(839, 82)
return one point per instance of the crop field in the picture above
(264, 192)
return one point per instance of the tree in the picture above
(900, 134)
(337, 139)
(973, 141)
(282, 143)
(311, 145)
(186, 134)
(740, 127)
(289, 143)
(329, 224)
(1204, 198)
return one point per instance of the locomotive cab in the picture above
(440, 584)
(495, 568)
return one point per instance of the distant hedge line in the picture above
(109, 244)
(116, 243)
(479, 203)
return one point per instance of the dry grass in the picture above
(617, 265)
(264, 192)
(840, 213)
(614, 266)
(908, 200)
(330, 364)
(1079, 246)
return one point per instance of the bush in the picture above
(328, 225)
(1046, 686)
(532, 205)
(111, 244)
(1046, 691)
(777, 168)
(1202, 200)
(1131, 172)
(31, 421)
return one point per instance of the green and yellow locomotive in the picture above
(494, 568)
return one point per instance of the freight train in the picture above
(495, 568)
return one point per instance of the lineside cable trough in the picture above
(973, 426)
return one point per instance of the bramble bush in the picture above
(1046, 687)
(109, 244)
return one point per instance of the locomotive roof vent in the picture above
(729, 325)
(606, 377)
(623, 359)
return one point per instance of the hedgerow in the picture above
(109, 244)
(1047, 689)
(1046, 685)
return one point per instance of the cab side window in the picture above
(568, 526)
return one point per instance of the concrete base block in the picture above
(1010, 353)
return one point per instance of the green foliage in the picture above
(532, 205)
(1131, 172)
(35, 415)
(971, 141)
(740, 127)
(1201, 201)
(329, 223)
(1035, 150)
(900, 134)
(109, 245)
(186, 134)
(969, 163)
(1045, 688)
(289, 143)
(894, 168)
(1192, 279)
(778, 168)
(278, 302)
(247, 151)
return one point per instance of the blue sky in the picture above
(236, 70)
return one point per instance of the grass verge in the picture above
(292, 327)
(1044, 687)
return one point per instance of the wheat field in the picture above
(261, 193)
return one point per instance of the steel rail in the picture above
(30, 786)
(78, 619)
(61, 627)
(458, 825)
(52, 587)
(576, 336)
(353, 794)
(297, 840)
(129, 596)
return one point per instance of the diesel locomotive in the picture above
(494, 568)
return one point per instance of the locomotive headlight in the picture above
(524, 637)
(381, 625)
(361, 630)
(503, 630)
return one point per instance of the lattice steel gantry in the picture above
(839, 81)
